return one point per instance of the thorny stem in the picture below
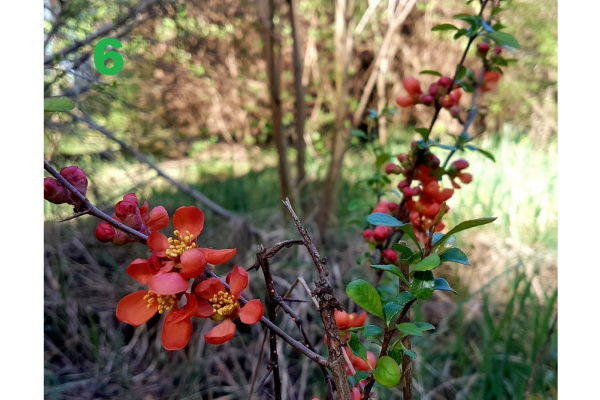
(142, 238)
(327, 305)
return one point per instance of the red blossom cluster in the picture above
(173, 272)
(439, 93)
(56, 193)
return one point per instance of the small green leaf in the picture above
(396, 355)
(459, 33)
(357, 203)
(424, 326)
(408, 352)
(361, 375)
(487, 154)
(410, 328)
(391, 310)
(424, 132)
(461, 72)
(371, 331)
(430, 262)
(404, 297)
(441, 284)
(436, 237)
(504, 39)
(53, 104)
(387, 372)
(381, 160)
(384, 219)
(392, 269)
(359, 134)
(444, 27)
(366, 296)
(463, 226)
(403, 251)
(430, 72)
(422, 285)
(357, 347)
(455, 255)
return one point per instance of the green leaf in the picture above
(430, 72)
(461, 72)
(408, 352)
(455, 255)
(391, 310)
(459, 33)
(384, 219)
(504, 39)
(424, 326)
(387, 372)
(392, 269)
(361, 375)
(410, 328)
(422, 285)
(404, 252)
(444, 27)
(56, 104)
(430, 262)
(359, 134)
(366, 296)
(371, 331)
(441, 284)
(487, 154)
(357, 203)
(424, 132)
(357, 347)
(408, 229)
(396, 355)
(436, 237)
(463, 226)
(381, 160)
(404, 297)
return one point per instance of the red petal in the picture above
(221, 333)
(168, 283)
(251, 312)
(132, 198)
(360, 321)
(159, 219)
(189, 310)
(144, 209)
(133, 309)
(204, 310)
(176, 335)
(208, 288)
(188, 219)
(216, 257)
(158, 243)
(238, 281)
(193, 262)
(140, 270)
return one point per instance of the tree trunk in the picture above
(300, 108)
(272, 48)
(343, 40)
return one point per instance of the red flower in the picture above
(345, 321)
(138, 307)
(181, 259)
(217, 303)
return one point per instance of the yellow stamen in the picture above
(180, 243)
(224, 304)
(165, 302)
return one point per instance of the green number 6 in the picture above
(100, 56)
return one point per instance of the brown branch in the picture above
(327, 305)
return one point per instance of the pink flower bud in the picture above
(483, 48)
(402, 184)
(497, 50)
(412, 86)
(460, 164)
(408, 192)
(76, 177)
(465, 177)
(445, 82)
(106, 233)
(392, 168)
(455, 111)
(54, 192)
(427, 99)
(368, 235)
(380, 233)
(404, 101)
(433, 90)
(390, 256)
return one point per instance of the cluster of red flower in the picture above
(171, 274)
(56, 193)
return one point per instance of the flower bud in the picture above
(368, 235)
(460, 164)
(392, 168)
(390, 255)
(54, 192)
(497, 50)
(455, 111)
(404, 101)
(433, 90)
(380, 233)
(465, 177)
(483, 48)
(408, 192)
(403, 158)
(445, 82)
(106, 233)
(412, 86)
(76, 177)
(427, 99)
(402, 184)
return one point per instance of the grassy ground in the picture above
(487, 338)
